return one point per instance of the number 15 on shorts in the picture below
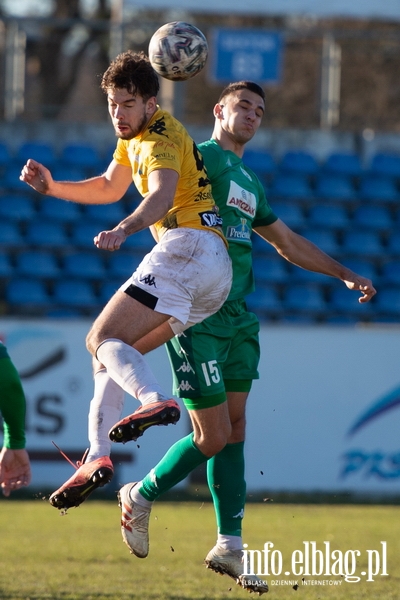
(211, 372)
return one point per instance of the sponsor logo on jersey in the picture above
(210, 219)
(238, 233)
(165, 156)
(242, 199)
(201, 196)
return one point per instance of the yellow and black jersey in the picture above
(165, 144)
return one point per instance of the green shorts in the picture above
(218, 355)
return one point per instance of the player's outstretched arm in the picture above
(303, 253)
(103, 189)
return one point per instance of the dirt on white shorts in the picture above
(187, 275)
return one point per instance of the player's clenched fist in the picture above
(37, 176)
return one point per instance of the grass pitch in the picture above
(80, 556)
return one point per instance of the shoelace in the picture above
(78, 463)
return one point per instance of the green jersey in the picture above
(242, 205)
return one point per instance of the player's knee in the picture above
(238, 430)
(91, 342)
(213, 442)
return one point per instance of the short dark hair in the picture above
(131, 71)
(242, 85)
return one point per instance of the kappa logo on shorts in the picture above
(185, 368)
(185, 386)
(149, 280)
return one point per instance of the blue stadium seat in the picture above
(40, 151)
(109, 214)
(58, 312)
(387, 301)
(46, 234)
(304, 298)
(264, 300)
(64, 172)
(37, 264)
(108, 289)
(325, 239)
(328, 216)
(6, 269)
(260, 246)
(391, 273)
(371, 216)
(377, 187)
(26, 293)
(122, 264)
(11, 181)
(142, 241)
(291, 186)
(359, 243)
(393, 245)
(385, 164)
(5, 154)
(10, 234)
(83, 232)
(59, 210)
(299, 162)
(364, 267)
(291, 213)
(260, 161)
(343, 163)
(83, 156)
(85, 265)
(270, 270)
(19, 207)
(75, 293)
(299, 275)
(346, 301)
(335, 187)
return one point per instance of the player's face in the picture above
(129, 113)
(241, 113)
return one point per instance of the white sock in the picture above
(138, 498)
(105, 410)
(230, 542)
(129, 369)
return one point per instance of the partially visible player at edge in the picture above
(15, 468)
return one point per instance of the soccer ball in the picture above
(178, 51)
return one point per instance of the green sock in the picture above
(225, 476)
(176, 464)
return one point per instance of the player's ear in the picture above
(151, 104)
(218, 111)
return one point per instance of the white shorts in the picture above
(187, 275)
